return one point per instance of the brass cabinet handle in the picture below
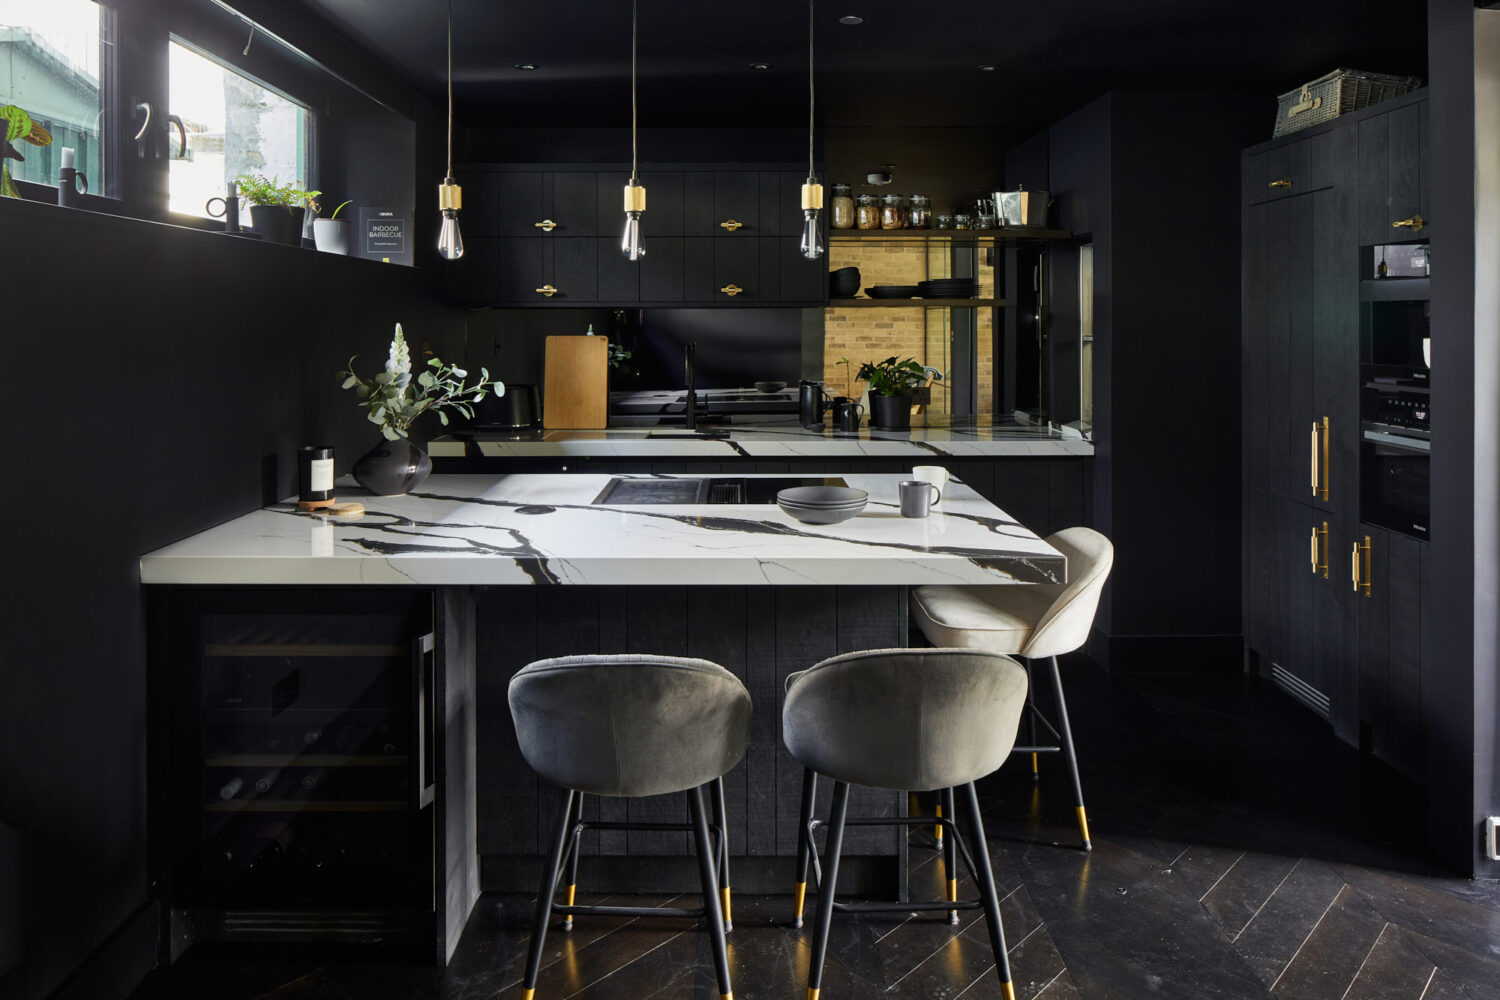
(1415, 224)
(731, 289)
(1320, 556)
(1321, 473)
(546, 224)
(1361, 579)
(1312, 451)
(1327, 460)
(1283, 183)
(731, 225)
(547, 290)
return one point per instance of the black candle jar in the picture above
(315, 476)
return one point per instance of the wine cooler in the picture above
(297, 767)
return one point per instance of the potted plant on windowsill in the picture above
(278, 210)
(396, 465)
(331, 235)
(891, 383)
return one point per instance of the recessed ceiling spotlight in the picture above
(759, 66)
(851, 19)
(528, 67)
(987, 68)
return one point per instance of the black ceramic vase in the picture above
(890, 413)
(392, 467)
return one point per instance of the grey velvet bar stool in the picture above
(1033, 622)
(904, 720)
(628, 727)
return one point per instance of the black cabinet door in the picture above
(736, 266)
(475, 277)
(1391, 175)
(1276, 311)
(574, 203)
(1390, 647)
(1293, 168)
(1267, 552)
(574, 270)
(521, 267)
(663, 202)
(1253, 178)
(1323, 652)
(736, 203)
(802, 280)
(619, 276)
(514, 202)
(698, 270)
(773, 214)
(662, 274)
(698, 208)
(1256, 289)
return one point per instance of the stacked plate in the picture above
(822, 504)
(892, 292)
(947, 288)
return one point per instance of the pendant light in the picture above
(635, 192)
(450, 195)
(812, 191)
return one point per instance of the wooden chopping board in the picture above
(577, 383)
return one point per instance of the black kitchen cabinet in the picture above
(528, 270)
(1391, 614)
(662, 277)
(530, 202)
(1393, 176)
(736, 211)
(1322, 657)
(1290, 169)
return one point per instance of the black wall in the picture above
(1161, 204)
(162, 381)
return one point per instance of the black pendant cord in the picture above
(633, 4)
(810, 91)
(450, 89)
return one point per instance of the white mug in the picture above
(934, 474)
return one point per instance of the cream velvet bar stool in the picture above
(1034, 622)
(902, 719)
(632, 726)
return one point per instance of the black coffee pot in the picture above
(810, 403)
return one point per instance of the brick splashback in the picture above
(862, 334)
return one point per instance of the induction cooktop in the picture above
(706, 489)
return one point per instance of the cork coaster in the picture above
(315, 504)
(350, 509)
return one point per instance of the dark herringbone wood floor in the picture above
(1240, 852)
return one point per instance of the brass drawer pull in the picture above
(1327, 460)
(547, 290)
(1322, 472)
(731, 225)
(731, 289)
(545, 224)
(1415, 224)
(1361, 579)
(1320, 555)
(1283, 183)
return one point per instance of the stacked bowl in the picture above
(843, 283)
(822, 504)
(948, 288)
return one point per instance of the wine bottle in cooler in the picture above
(270, 847)
(265, 782)
(231, 788)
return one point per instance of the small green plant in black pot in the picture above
(278, 209)
(891, 384)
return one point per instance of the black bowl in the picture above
(769, 386)
(892, 292)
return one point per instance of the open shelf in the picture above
(914, 303)
(1008, 236)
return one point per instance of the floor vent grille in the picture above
(1300, 689)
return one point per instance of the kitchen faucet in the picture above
(692, 392)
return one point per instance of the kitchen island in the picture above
(521, 567)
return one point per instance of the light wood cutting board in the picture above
(577, 383)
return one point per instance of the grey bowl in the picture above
(770, 386)
(822, 496)
(820, 515)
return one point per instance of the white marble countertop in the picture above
(542, 529)
(771, 440)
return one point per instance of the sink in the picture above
(705, 489)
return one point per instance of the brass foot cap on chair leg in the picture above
(812, 994)
(800, 896)
(1083, 828)
(528, 994)
(1008, 990)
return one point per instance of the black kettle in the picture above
(810, 402)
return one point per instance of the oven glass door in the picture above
(1394, 490)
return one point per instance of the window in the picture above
(55, 63)
(233, 125)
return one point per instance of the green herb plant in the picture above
(394, 402)
(891, 377)
(336, 211)
(18, 125)
(255, 189)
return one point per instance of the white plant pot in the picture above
(331, 235)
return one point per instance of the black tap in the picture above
(692, 392)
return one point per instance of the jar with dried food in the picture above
(919, 214)
(842, 207)
(962, 221)
(867, 212)
(893, 212)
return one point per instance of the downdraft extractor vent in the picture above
(1300, 689)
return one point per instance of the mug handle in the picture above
(938, 497)
(208, 206)
(83, 178)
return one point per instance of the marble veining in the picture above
(543, 530)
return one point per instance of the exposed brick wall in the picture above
(862, 334)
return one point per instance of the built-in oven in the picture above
(1395, 445)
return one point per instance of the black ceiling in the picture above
(908, 64)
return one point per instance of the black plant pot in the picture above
(392, 467)
(890, 413)
(275, 224)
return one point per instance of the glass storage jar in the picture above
(943, 222)
(919, 214)
(842, 207)
(867, 212)
(893, 212)
(962, 221)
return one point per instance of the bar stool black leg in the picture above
(544, 898)
(721, 821)
(831, 852)
(1067, 742)
(804, 844)
(571, 892)
(1031, 718)
(712, 912)
(980, 850)
(950, 854)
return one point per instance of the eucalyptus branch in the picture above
(394, 403)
